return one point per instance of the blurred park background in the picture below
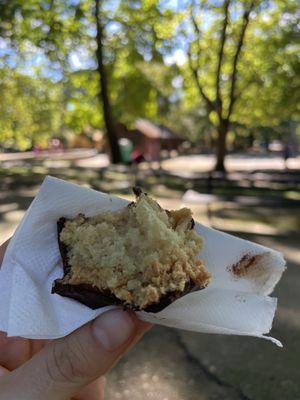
(197, 102)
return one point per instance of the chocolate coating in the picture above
(137, 191)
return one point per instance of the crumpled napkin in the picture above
(233, 303)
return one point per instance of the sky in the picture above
(79, 58)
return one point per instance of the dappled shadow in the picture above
(17, 203)
(280, 218)
(249, 203)
(285, 239)
(271, 185)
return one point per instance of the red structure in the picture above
(150, 138)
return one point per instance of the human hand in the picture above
(69, 367)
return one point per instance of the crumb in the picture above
(252, 267)
(242, 267)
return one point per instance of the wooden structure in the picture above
(150, 138)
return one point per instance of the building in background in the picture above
(150, 139)
(146, 141)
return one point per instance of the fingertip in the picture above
(3, 371)
(113, 329)
(142, 326)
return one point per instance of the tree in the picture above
(240, 73)
(217, 101)
(116, 58)
(56, 28)
(104, 92)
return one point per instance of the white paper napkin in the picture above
(229, 305)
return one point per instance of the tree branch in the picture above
(232, 97)
(195, 73)
(99, 36)
(220, 56)
(195, 70)
(197, 32)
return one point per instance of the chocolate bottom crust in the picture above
(95, 298)
(86, 294)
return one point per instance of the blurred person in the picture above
(137, 157)
(55, 144)
(287, 153)
(37, 150)
(68, 368)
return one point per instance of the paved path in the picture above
(242, 162)
(204, 163)
(48, 154)
(190, 163)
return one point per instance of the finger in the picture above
(15, 351)
(93, 391)
(66, 365)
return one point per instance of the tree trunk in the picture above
(111, 132)
(221, 145)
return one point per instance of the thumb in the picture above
(66, 365)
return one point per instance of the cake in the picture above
(142, 257)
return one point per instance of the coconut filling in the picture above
(139, 253)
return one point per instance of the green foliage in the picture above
(268, 78)
(31, 110)
(49, 83)
(81, 91)
(270, 69)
